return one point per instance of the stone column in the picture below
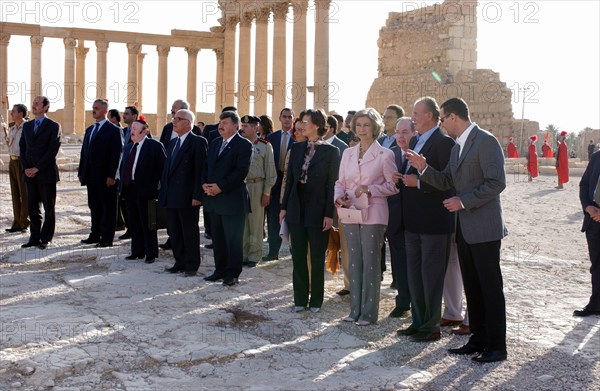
(4, 41)
(101, 50)
(219, 88)
(299, 61)
(140, 80)
(192, 84)
(80, 53)
(132, 72)
(161, 99)
(36, 67)
(243, 85)
(321, 98)
(68, 124)
(261, 60)
(228, 94)
(279, 57)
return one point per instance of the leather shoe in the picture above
(173, 269)
(132, 257)
(463, 329)
(449, 322)
(398, 312)
(12, 230)
(126, 235)
(493, 356)
(343, 292)
(104, 244)
(230, 281)
(251, 264)
(209, 246)
(407, 332)
(213, 277)
(469, 348)
(426, 337)
(30, 244)
(585, 311)
(269, 258)
(149, 260)
(90, 241)
(207, 236)
(189, 274)
(43, 245)
(166, 245)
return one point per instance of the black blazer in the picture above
(228, 171)
(322, 174)
(275, 140)
(395, 222)
(382, 138)
(40, 149)
(587, 186)
(149, 168)
(165, 136)
(100, 159)
(423, 210)
(181, 180)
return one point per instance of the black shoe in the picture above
(398, 312)
(207, 236)
(407, 332)
(30, 244)
(166, 245)
(90, 241)
(586, 311)
(493, 356)
(12, 230)
(189, 274)
(343, 292)
(126, 235)
(173, 269)
(43, 245)
(104, 244)
(251, 264)
(149, 260)
(393, 284)
(209, 246)
(269, 258)
(426, 337)
(132, 257)
(213, 277)
(230, 281)
(469, 348)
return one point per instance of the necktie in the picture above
(35, 126)
(128, 174)
(223, 145)
(175, 151)
(597, 193)
(94, 131)
(283, 150)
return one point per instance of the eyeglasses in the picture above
(444, 117)
(179, 119)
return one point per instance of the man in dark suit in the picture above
(405, 131)
(589, 195)
(181, 193)
(390, 116)
(211, 131)
(226, 197)
(39, 145)
(428, 225)
(281, 141)
(141, 169)
(130, 114)
(476, 172)
(98, 165)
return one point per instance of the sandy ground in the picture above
(78, 318)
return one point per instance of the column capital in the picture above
(81, 52)
(141, 56)
(262, 15)
(134, 48)
(192, 52)
(70, 43)
(219, 53)
(323, 4)
(280, 10)
(246, 19)
(4, 39)
(299, 5)
(163, 50)
(231, 22)
(101, 46)
(36, 41)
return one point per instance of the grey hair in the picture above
(375, 118)
(412, 124)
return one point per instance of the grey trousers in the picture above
(364, 258)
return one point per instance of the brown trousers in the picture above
(18, 191)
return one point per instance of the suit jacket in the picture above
(478, 177)
(181, 180)
(322, 174)
(165, 136)
(228, 171)
(587, 186)
(382, 138)
(149, 168)
(396, 222)
(40, 149)
(423, 210)
(342, 146)
(126, 135)
(275, 140)
(100, 159)
(375, 170)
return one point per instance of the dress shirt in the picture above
(14, 136)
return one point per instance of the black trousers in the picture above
(482, 279)
(228, 243)
(45, 194)
(593, 240)
(184, 233)
(399, 270)
(102, 201)
(144, 242)
(273, 210)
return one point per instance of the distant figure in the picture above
(18, 188)
(591, 149)
(562, 160)
(511, 150)
(547, 150)
(532, 160)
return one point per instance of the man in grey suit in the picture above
(476, 172)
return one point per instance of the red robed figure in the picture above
(532, 161)
(562, 163)
(511, 150)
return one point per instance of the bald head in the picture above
(405, 130)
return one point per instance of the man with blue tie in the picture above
(39, 145)
(98, 165)
(130, 114)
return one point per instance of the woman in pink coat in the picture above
(365, 180)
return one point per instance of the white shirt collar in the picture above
(462, 139)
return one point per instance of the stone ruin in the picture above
(432, 51)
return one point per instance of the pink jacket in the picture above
(375, 171)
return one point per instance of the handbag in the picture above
(157, 217)
(352, 215)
